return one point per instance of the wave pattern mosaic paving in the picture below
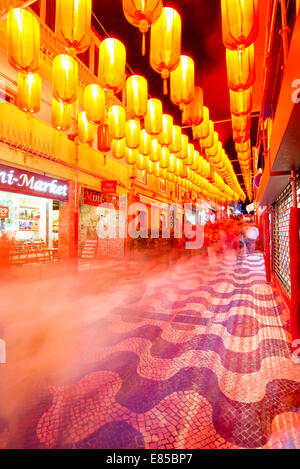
(191, 358)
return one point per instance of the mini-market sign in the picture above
(25, 182)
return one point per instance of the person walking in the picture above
(251, 235)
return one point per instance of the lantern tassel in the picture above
(165, 86)
(144, 45)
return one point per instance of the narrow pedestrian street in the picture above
(180, 357)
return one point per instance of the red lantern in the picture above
(104, 140)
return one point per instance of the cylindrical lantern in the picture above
(165, 48)
(61, 115)
(242, 147)
(166, 135)
(145, 147)
(208, 141)
(190, 155)
(156, 169)
(112, 62)
(86, 130)
(133, 128)
(193, 112)
(181, 169)
(136, 96)
(163, 173)
(155, 151)
(104, 139)
(65, 78)
(150, 166)
(73, 23)
(239, 22)
(195, 164)
(117, 121)
(184, 147)
(23, 40)
(172, 163)
(240, 68)
(241, 102)
(153, 118)
(165, 158)
(142, 14)
(94, 104)
(176, 145)
(182, 81)
(131, 155)
(118, 148)
(202, 130)
(241, 123)
(29, 92)
(240, 137)
(140, 161)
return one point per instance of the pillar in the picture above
(294, 245)
(267, 253)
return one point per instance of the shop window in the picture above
(50, 13)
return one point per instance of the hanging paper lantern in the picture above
(172, 163)
(142, 14)
(86, 130)
(241, 102)
(118, 148)
(241, 123)
(73, 24)
(117, 121)
(240, 137)
(165, 158)
(181, 169)
(131, 155)
(240, 68)
(213, 149)
(193, 112)
(145, 147)
(184, 147)
(195, 165)
(23, 40)
(156, 169)
(140, 161)
(94, 104)
(136, 96)
(166, 135)
(104, 139)
(163, 173)
(29, 92)
(208, 141)
(155, 151)
(61, 115)
(176, 144)
(242, 147)
(165, 46)
(132, 131)
(182, 81)
(239, 23)
(112, 62)
(153, 117)
(190, 155)
(202, 130)
(65, 78)
(150, 166)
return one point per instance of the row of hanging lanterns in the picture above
(159, 146)
(240, 30)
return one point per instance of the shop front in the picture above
(29, 214)
(102, 224)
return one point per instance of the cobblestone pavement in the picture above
(176, 355)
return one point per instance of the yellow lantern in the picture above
(239, 22)
(182, 81)
(172, 163)
(190, 155)
(94, 104)
(142, 14)
(61, 115)
(240, 68)
(112, 62)
(163, 173)
(131, 155)
(241, 123)
(136, 96)
(166, 135)
(73, 23)
(165, 44)
(145, 147)
(150, 166)
(242, 147)
(165, 158)
(184, 147)
(153, 117)
(193, 113)
(241, 102)
(65, 78)
(133, 128)
(140, 161)
(208, 141)
(29, 92)
(155, 151)
(181, 169)
(195, 164)
(202, 130)
(156, 169)
(176, 145)
(117, 121)
(170, 176)
(86, 130)
(23, 40)
(118, 148)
